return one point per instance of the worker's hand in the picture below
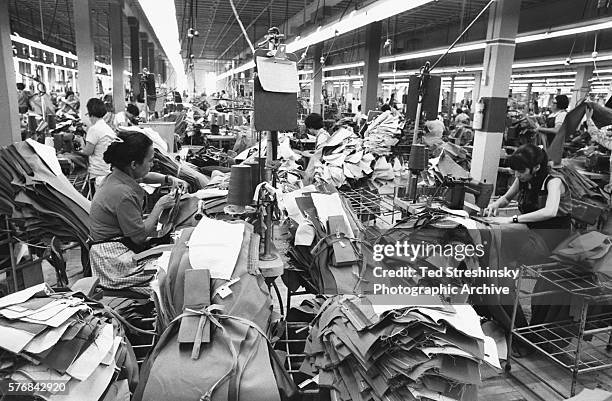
(165, 202)
(178, 183)
(589, 113)
(491, 210)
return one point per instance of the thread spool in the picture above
(240, 188)
(58, 142)
(51, 122)
(255, 174)
(419, 158)
(32, 125)
(68, 137)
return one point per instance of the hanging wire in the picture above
(462, 34)
(244, 32)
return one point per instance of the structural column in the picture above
(151, 55)
(582, 85)
(451, 96)
(144, 51)
(9, 113)
(370, 72)
(316, 87)
(134, 54)
(85, 53)
(476, 90)
(497, 71)
(116, 37)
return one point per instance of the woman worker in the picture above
(117, 227)
(554, 120)
(314, 126)
(99, 136)
(545, 204)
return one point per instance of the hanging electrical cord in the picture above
(244, 32)
(462, 34)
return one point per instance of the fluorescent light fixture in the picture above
(588, 26)
(237, 70)
(461, 78)
(396, 74)
(604, 71)
(377, 11)
(304, 72)
(344, 66)
(544, 74)
(42, 46)
(343, 78)
(601, 78)
(435, 52)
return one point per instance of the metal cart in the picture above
(575, 344)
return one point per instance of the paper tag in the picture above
(223, 291)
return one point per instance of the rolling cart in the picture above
(579, 345)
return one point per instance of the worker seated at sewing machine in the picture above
(117, 228)
(544, 201)
(543, 196)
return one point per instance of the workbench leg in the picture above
(517, 290)
(583, 318)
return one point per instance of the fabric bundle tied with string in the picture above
(215, 348)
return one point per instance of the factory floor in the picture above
(496, 385)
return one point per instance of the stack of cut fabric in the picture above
(65, 348)
(373, 352)
(183, 170)
(343, 159)
(380, 136)
(34, 191)
(213, 197)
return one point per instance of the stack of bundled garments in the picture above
(327, 248)
(65, 348)
(183, 170)
(344, 159)
(380, 136)
(215, 312)
(214, 196)
(35, 193)
(372, 352)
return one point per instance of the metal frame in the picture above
(576, 356)
(370, 205)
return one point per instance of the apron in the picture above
(112, 263)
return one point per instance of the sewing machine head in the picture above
(458, 188)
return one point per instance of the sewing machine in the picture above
(457, 188)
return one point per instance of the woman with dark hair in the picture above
(554, 120)
(544, 201)
(542, 194)
(314, 125)
(99, 136)
(117, 227)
